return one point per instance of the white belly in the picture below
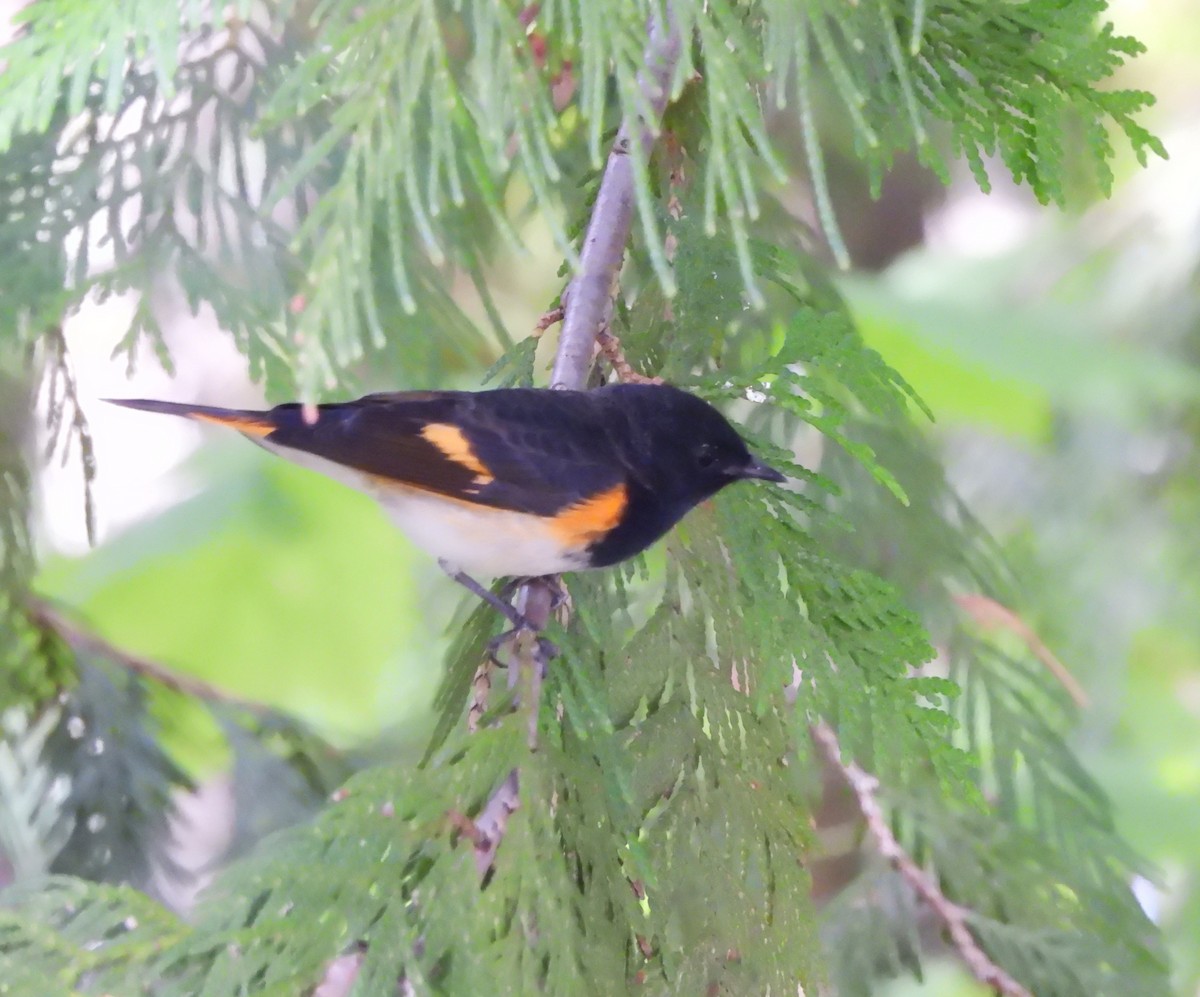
(476, 539)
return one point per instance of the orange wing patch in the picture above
(451, 441)
(242, 424)
(585, 522)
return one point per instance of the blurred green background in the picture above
(1060, 354)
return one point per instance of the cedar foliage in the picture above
(317, 175)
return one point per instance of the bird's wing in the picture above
(525, 451)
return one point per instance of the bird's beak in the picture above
(757, 469)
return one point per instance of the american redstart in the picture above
(514, 481)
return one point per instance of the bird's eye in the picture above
(706, 456)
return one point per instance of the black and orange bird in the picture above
(514, 481)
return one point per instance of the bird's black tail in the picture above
(251, 423)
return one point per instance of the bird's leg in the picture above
(509, 588)
(505, 608)
(496, 602)
(546, 649)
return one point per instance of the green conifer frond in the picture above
(107, 748)
(68, 935)
(33, 825)
(27, 182)
(390, 870)
(1070, 910)
(170, 176)
(107, 778)
(1035, 835)
(76, 50)
(895, 65)
(872, 931)
(282, 772)
(23, 674)
(398, 137)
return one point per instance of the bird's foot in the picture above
(545, 649)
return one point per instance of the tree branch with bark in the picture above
(954, 917)
(587, 308)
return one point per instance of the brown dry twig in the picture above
(954, 917)
(48, 617)
(610, 349)
(466, 827)
(481, 687)
(991, 615)
(548, 319)
(340, 975)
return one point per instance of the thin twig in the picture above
(953, 916)
(62, 395)
(991, 615)
(610, 347)
(48, 617)
(548, 319)
(588, 299)
(481, 687)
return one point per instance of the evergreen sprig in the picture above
(398, 137)
(1032, 832)
(23, 676)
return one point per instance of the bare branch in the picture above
(587, 301)
(991, 615)
(492, 822)
(587, 305)
(953, 916)
(48, 617)
(340, 975)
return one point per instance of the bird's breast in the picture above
(478, 539)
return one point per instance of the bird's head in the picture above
(683, 447)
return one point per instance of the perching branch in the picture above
(587, 305)
(953, 916)
(587, 301)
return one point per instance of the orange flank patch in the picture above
(451, 441)
(250, 427)
(585, 522)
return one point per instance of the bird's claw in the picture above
(545, 649)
